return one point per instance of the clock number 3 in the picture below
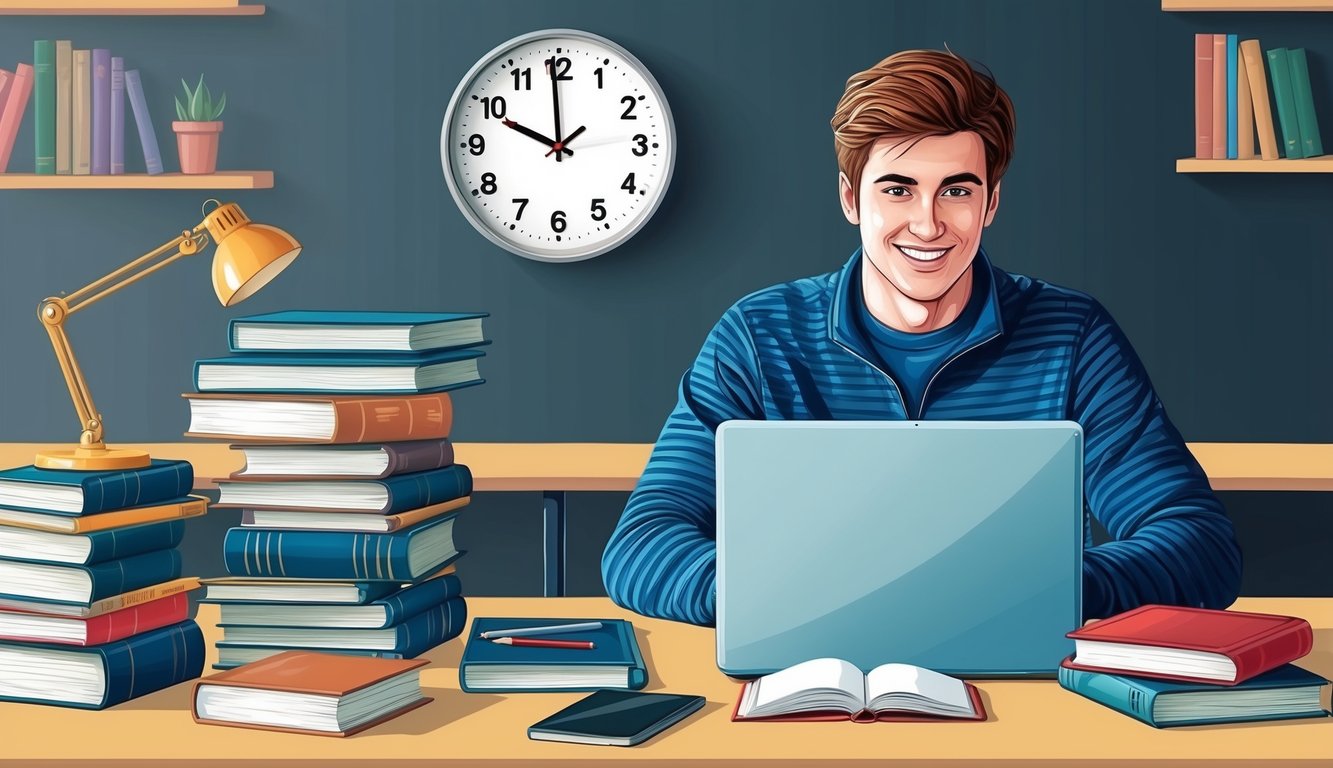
(642, 145)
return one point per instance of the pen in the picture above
(534, 642)
(550, 629)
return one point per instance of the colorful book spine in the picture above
(6, 80)
(161, 481)
(113, 578)
(358, 419)
(44, 105)
(1311, 144)
(1263, 113)
(143, 121)
(1219, 97)
(117, 115)
(118, 625)
(1203, 96)
(403, 492)
(81, 114)
(101, 162)
(355, 556)
(104, 546)
(1244, 111)
(1279, 70)
(19, 92)
(1232, 54)
(413, 637)
(64, 103)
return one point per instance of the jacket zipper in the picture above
(880, 371)
(926, 391)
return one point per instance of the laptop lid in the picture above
(952, 545)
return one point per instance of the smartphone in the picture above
(616, 718)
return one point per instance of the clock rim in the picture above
(446, 162)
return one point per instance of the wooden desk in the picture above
(1031, 722)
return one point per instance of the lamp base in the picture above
(93, 459)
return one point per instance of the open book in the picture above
(833, 689)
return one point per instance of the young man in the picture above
(918, 324)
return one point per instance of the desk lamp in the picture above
(248, 256)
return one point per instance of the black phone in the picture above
(616, 718)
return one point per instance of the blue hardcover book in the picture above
(386, 373)
(614, 661)
(1233, 49)
(404, 555)
(1285, 693)
(386, 496)
(378, 614)
(241, 589)
(86, 584)
(73, 492)
(411, 638)
(143, 121)
(302, 330)
(89, 548)
(40, 673)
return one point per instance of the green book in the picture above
(1280, 72)
(1303, 95)
(44, 104)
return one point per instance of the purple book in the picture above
(152, 158)
(117, 115)
(101, 112)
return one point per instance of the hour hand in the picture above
(526, 131)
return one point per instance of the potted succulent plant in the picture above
(198, 127)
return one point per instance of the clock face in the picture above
(558, 145)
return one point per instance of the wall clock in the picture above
(558, 145)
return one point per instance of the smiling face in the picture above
(921, 204)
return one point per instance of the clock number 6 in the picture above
(598, 210)
(558, 221)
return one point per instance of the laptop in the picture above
(951, 545)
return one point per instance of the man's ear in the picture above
(847, 196)
(994, 204)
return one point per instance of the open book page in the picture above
(816, 685)
(915, 689)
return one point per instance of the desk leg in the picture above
(553, 535)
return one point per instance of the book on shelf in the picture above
(89, 548)
(1232, 94)
(252, 589)
(383, 373)
(117, 115)
(101, 676)
(106, 605)
(83, 585)
(347, 521)
(75, 492)
(615, 660)
(330, 419)
(1203, 96)
(186, 506)
(1219, 130)
(384, 612)
(81, 113)
(363, 461)
(313, 693)
(1263, 113)
(834, 689)
(1279, 70)
(101, 111)
(401, 556)
(1190, 644)
(411, 637)
(64, 105)
(16, 103)
(106, 628)
(1311, 143)
(302, 330)
(6, 80)
(143, 122)
(44, 105)
(1285, 693)
(1244, 111)
(388, 496)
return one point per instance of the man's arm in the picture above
(662, 558)
(1172, 541)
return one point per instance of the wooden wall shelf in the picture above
(128, 8)
(219, 180)
(1307, 165)
(1247, 5)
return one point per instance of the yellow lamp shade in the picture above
(248, 255)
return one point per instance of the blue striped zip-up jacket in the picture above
(1038, 351)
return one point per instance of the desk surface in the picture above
(1031, 722)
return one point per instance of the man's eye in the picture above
(956, 192)
(897, 191)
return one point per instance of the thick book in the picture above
(106, 605)
(314, 693)
(83, 585)
(101, 136)
(143, 122)
(1263, 113)
(412, 637)
(302, 330)
(342, 462)
(1311, 144)
(1233, 51)
(405, 555)
(1190, 644)
(387, 496)
(834, 689)
(330, 419)
(44, 105)
(88, 548)
(16, 103)
(75, 492)
(117, 115)
(614, 661)
(251, 589)
(64, 103)
(176, 509)
(233, 656)
(414, 373)
(1279, 71)
(81, 113)
(385, 612)
(107, 628)
(1285, 693)
(100, 676)
(347, 521)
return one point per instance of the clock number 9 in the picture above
(488, 185)
(598, 210)
(476, 144)
(558, 221)
(641, 149)
(493, 106)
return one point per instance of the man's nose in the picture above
(925, 223)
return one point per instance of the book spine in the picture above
(419, 598)
(1287, 643)
(431, 627)
(1203, 96)
(119, 576)
(110, 627)
(392, 419)
(119, 543)
(117, 115)
(1311, 145)
(152, 661)
(44, 105)
(81, 117)
(1279, 70)
(17, 103)
(1112, 691)
(64, 102)
(422, 489)
(1219, 97)
(1263, 113)
(1232, 54)
(141, 596)
(124, 518)
(418, 456)
(161, 482)
(101, 162)
(355, 556)
(6, 80)
(143, 121)
(1244, 111)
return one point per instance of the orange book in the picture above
(1219, 97)
(1244, 113)
(191, 506)
(320, 418)
(1203, 96)
(1263, 113)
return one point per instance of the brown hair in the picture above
(922, 93)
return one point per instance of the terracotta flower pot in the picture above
(197, 144)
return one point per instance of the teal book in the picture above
(411, 637)
(385, 612)
(74, 492)
(83, 585)
(358, 373)
(383, 496)
(232, 655)
(89, 548)
(1285, 693)
(44, 105)
(303, 330)
(101, 676)
(614, 661)
(406, 555)
(1279, 71)
(1303, 95)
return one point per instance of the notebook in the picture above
(614, 662)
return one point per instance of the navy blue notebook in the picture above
(402, 556)
(614, 662)
(359, 373)
(74, 492)
(304, 330)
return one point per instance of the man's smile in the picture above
(925, 255)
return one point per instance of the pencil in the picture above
(533, 642)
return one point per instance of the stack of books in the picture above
(349, 490)
(1172, 666)
(93, 609)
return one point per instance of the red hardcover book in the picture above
(1191, 644)
(1203, 96)
(109, 627)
